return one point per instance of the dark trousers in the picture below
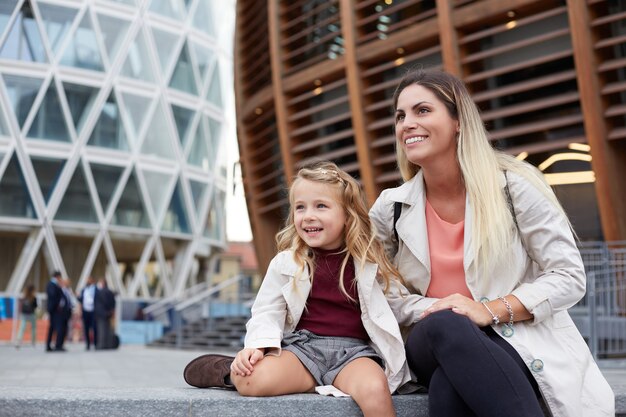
(103, 325)
(58, 327)
(470, 371)
(89, 326)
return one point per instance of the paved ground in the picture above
(136, 380)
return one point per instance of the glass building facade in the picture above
(112, 131)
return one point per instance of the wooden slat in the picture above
(535, 40)
(314, 143)
(537, 126)
(532, 84)
(322, 123)
(530, 106)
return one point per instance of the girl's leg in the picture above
(366, 383)
(275, 375)
(483, 374)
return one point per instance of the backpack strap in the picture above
(397, 210)
(510, 200)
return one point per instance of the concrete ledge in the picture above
(187, 402)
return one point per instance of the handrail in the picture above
(198, 298)
(165, 303)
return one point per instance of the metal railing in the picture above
(601, 314)
(199, 305)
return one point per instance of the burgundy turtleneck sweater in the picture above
(328, 312)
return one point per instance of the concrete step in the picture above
(185, 402)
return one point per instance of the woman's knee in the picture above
(441, 326)
(370, 391)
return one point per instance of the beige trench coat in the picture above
(281, 300)
(543, 270)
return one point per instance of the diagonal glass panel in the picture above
(176, 219)
(131, 2)
(214, 95)
(109, 130)
(137, 64)
(168, 8)
(166, 42)
(49, 123)
(131, 210)
(57, 21)
(182, 116)
(203, 18)
(80, 99)
(15, 199)
(6, 10)
(137, 108)
(183, 77)
(198, 189)
(156, 183)
(106, 178)
(199, 154)
(76, 204)
(82, 50)
(158, 141)
(203, 58)
(215, 129)
(22, 93)
(215, 218)
(113, 31)
(24, 42)
(47, 171)
(4, 128)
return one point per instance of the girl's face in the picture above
(318, 215)
(424, 127)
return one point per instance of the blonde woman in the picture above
(320, 317)
(491, 263)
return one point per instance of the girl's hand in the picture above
(245, 360)
(463, 305)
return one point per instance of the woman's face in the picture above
(424, 127)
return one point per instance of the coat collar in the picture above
(411, 225)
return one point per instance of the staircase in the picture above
(220, 333)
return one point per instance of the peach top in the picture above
(445, 241)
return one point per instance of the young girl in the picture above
(320, 316)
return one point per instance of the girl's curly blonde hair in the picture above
(359, 234)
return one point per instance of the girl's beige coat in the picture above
(543, 270)
(281, 300)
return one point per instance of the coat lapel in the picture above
(295, 291)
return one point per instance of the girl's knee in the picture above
(249, 386)
(371, 389)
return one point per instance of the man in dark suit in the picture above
(56, 305)
(87, 298)
(104, 309)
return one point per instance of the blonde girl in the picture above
(320, 317)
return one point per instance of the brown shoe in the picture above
(209, 371)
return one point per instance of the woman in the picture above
(491, 265)
(28, 307)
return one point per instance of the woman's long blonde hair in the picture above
(359, 233)
(480, 165)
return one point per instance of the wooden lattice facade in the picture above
(314, 80)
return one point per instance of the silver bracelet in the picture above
(509, 309)
(494, 319)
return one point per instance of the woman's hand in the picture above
(245, 360)
(463, 305)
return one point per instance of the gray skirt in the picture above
(326, 356)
